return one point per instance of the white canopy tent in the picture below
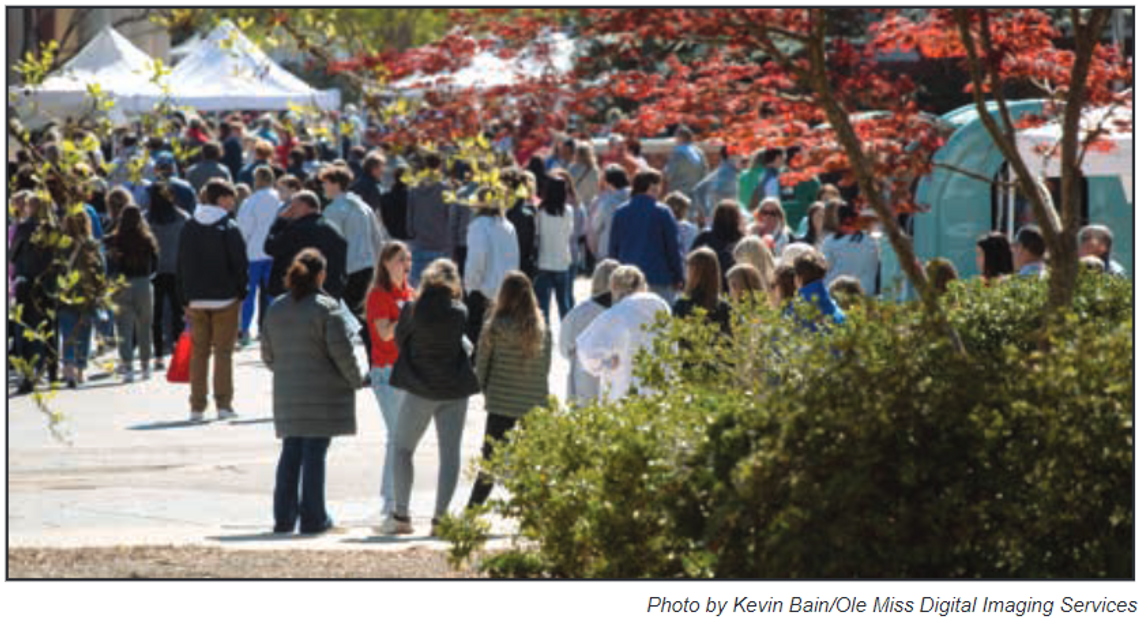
(1037, 147)
(225, 71)
(110, 61)
(184, 49)
(487, 70)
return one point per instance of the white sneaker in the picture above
(197, 417)
(146, 373)
(224, 413)
(393, 526)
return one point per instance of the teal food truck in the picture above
(958, 207)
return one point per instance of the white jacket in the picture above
(492, 251)
(554, 236)
(581, 386)
(607, 347)
(254, 218)
(602, 218)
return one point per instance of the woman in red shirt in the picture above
(389, 293)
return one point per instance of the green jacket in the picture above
(316, 375)
(512, 383)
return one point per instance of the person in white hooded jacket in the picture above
(581, 386)
(608, 346)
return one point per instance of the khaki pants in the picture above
(213, 331)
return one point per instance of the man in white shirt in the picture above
(254, 218)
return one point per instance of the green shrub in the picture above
(869, 450)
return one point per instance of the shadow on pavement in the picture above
(251, 421)
(390, 540)
(258, 537)
(167, 425)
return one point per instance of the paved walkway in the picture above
(135, 471)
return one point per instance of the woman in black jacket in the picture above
(435, 372)
(132, 252)
(726, 231)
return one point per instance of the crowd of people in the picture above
(332, 242)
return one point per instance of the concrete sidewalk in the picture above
(135, 471)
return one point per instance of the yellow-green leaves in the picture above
(33, 70)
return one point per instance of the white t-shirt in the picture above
(554, 235)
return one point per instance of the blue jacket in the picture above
(644, 233)
(816, 294)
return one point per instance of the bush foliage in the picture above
(870, 450)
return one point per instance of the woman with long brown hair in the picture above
(388, 296)
(702, 290)
(76, 318)
(132, 252)
(513, 366)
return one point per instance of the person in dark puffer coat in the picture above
(435, 371)
(308, 346)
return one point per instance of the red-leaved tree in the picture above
(780, 78)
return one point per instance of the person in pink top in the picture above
(388, 294)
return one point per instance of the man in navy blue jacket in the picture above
(644, 234)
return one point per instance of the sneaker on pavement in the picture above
(158, 366)
(395, 525)
(226, 413)
(197, 417)
(128, 377)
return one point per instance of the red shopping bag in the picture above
(179, 370)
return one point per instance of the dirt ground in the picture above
(206, 562)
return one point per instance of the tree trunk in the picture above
(841, 123)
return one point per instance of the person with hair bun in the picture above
(307, 344)
(607, 348)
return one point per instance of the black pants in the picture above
(477, 305)
(460, 258)
(165, 291)
(355, 293)
(497, 428)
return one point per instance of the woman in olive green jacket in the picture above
(512, 364)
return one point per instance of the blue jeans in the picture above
(75, 328)
(259, 271)
(301, 468)
(389, 399)
(420, 261)
(560, 282)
